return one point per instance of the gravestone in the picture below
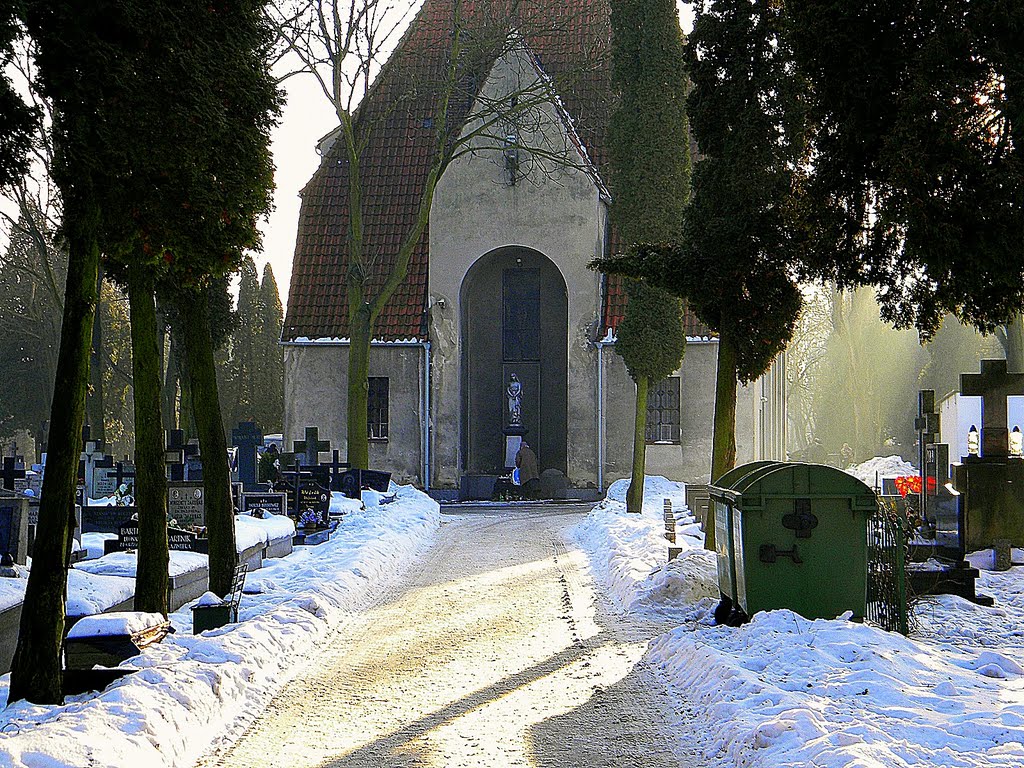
(268, 503)
(174, 455)
(311, 447)
(246, 438)
(11, 472)
(104, 481)
(314, 505)
(193, 462)
(14, 518)
(124, 473)
(335, 470)
(105, 519)
(178, 540)
(186, 504)
(354, 481)
(992, 484)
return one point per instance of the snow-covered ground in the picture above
(784, 691)
(190, 689)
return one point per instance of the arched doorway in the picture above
(514, 308)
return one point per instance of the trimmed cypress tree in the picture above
(650, 167)
(271, 367)
(738, 253)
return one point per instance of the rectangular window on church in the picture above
(521, 315)
(663, 412)
(377, 408)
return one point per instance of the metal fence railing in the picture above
(888, 600)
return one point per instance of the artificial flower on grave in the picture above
(908, 484)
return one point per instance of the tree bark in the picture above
(358, 388)
(635, 494)
(36, 674)
(723, 453)
(1012, 339)
(151, 580)
(94, 402)
(202, 375)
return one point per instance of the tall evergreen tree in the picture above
(71, 40)
(17, 121)
(650, 168)
(917, 186)
(270, 413)
(738, 258)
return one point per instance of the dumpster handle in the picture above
(768, 553)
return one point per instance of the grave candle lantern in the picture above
(973, 441)
(1016, 443)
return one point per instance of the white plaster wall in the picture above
(557, 210)
(316, 381)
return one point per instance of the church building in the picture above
(498, 287)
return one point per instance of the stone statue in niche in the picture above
(515, 402)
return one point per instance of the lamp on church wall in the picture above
(511, 155)
(1016, 443)
(973, 441)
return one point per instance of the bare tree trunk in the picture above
(151, 579)
(202, 375)
(169, 392)
(723, 452)
(358, 388)
(36, 674)
(94, 402)
(635, 494)
(1011, 337)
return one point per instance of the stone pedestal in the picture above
(993, 499)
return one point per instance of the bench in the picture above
(216, 612)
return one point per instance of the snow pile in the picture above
(629, 552)
(785, 691)
(343, 505)
(93, 543)
(126, 563)
(192, 689)
(881, 466)
(89, 593)
(252, 531)
(115, 624)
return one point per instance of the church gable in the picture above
(570, 47)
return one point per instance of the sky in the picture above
(306, 118)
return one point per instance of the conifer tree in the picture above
(650, 168)
(271, 368)
(917, 186)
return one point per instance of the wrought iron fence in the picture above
(888, 603)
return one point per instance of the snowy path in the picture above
(493, 654)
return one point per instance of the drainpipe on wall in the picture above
(600, 417)
(426, 416)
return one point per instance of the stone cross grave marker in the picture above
(927, 427)
(174, 455)
(994, 384)
(247, 437)
(335, 469)
(11, 472)
(311, 447)
(124, 471)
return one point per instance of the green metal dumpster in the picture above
(791, 536)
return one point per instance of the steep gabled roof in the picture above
(570, 44)
(570, 41)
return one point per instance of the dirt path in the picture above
(493, 654)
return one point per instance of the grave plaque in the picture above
(178, 540)
(270, 503)
(314, 503)
(105, 519)
(104, 482)
(186, 504)
(353, 482)
(14, 526)
(247, 437)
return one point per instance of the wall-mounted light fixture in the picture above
(511, 155)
